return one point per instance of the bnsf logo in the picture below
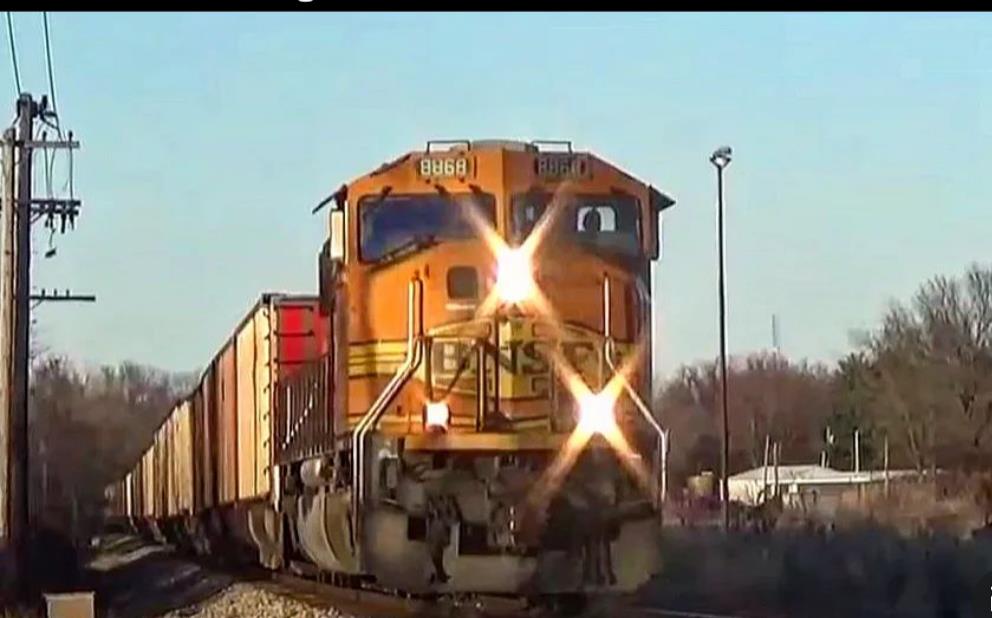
(523, 364)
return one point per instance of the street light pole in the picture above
(721, 159)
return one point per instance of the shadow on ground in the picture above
(866, 571)
(135, 580)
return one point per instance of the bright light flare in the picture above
(596, 413)
(551, 214)
(437, 415)
(515, 281)
(515, 276)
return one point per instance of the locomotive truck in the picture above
(436, 419)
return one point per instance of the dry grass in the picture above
(862, 571)
(912, 553)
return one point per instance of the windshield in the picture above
(606, 222)
(392, 224)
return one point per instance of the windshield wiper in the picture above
(414, 245)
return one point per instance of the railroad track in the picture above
(368, 603)
(359, 602)
(303, 585)
(658, 612)
(375, 603)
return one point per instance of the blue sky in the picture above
(861, 154)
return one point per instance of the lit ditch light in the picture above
(437, 416)
(514, 276)
(596, 413)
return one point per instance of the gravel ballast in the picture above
(245, 599)
(136, 579)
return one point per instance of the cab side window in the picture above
(596, 219)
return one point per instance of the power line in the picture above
(51, 75)
(13, 52)
(57, 125)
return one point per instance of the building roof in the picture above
(814, 474)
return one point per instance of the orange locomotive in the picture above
(445, 421)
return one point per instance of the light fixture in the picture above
(596, 413)
(436, 416)
(721, 156)
(514, 277)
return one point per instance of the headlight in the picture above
(514, 277)
(596, 413)
(436, 416)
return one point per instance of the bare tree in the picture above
(930, 372)
(789, 402)
(87, 429)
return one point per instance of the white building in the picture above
(802, 485)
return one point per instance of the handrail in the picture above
(447, 142)
(480, 386)
(608, 349)
(411, 362)
(553, 142)
(608, 344)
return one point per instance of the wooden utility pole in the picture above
(20, 209)
(6, 327)
(19, 501)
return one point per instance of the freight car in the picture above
(461, 408)
(209, 466)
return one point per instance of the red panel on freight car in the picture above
(302, 334)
